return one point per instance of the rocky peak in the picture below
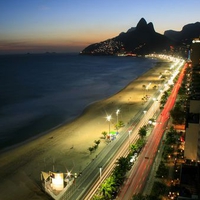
(141, 39)
(142, 26)
(151, 27)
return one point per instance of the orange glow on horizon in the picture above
(42, 46)
(55, 44)
(56, 41)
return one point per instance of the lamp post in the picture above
(100, 172)
(108, 119)
(117, 113)
(144, 111)
(129, 132)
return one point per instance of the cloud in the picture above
(10, 47)
(7, 47)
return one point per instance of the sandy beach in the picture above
(66, 148)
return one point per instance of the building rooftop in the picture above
(190, 180)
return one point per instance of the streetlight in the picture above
(100, 172)
(129, 132)
(144, 111)
(117, 113)
(108, 119)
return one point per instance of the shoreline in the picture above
(66, 147)
(18, 132)
(67, 121)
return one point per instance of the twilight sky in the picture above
(70, 25)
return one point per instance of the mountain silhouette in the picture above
(140, 40)
(186, 35)
(143, 39)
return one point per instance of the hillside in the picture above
(143, 39)
(186, 35)
(139, 40)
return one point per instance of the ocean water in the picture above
(41, 92)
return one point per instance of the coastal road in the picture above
(106, 161)
(90, 178)
(139, 173)
(88, 183)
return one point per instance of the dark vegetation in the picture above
(143, 39)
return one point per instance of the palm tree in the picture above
(121, 123)
(97, 142)
(122, 166)
(108, 187)
(104, 133)
(142, 132)
(97, 197)
(119, 175)
(140, 143)
(134, 148)
(91, 149)
(95, 147)
(123, 163)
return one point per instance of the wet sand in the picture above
(66, 148)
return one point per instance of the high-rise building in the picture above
(195, 51)
(192, 132)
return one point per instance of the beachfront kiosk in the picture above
(56, 183)
(113, 135)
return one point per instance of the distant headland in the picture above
(143, 39)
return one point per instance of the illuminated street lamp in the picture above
(108, 118)
(129, 132)
(148, 86)
(100, 172)
(117, 113)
